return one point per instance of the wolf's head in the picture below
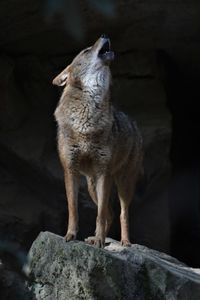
(90, 67)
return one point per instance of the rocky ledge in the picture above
(75, 270)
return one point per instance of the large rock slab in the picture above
(76, 270)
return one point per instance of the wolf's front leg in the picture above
(103, 188)
(72, 186)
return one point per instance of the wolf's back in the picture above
(124, 126)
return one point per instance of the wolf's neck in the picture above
(97, 85)
(95, 94)
(86, 111)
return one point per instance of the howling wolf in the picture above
(96, 141)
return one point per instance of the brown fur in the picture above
(95, 140)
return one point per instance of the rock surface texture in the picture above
(75, 270)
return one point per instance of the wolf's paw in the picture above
(70, 237)
(126, 243)
(96, 241)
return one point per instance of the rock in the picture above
(13, 108)
(139, 64)
(25, 208)
(75, 270)
(163, 25)
(31, 139)
(13, 285)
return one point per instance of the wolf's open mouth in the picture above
(105, 48)
(105, 52)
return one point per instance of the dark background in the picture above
(156, 78)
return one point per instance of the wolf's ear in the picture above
(61, 79)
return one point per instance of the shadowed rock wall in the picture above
(35, 45)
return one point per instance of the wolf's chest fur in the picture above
(83, 116)
(85, 124)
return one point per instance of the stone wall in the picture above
(35, 45)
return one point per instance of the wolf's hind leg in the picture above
(91, 182)
(125, 182)
(109, 219)
(92, 189)
(103, 188)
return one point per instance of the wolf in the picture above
(96, 140)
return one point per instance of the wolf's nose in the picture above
(104, 36)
